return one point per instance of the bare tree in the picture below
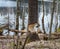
(32, 20)
(23, 16)
(17, 21)
(56, 16)
(52, 18)
(17, 15)
(43, 18)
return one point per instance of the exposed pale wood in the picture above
(4, 26)
(22, 31)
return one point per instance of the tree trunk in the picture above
(52, 18)
(56, 16)
(33, 11)
(17, 15)
(32, 20)
(17, 22)
(8, 24)
(43, 19)
(23, 16)
(33, 16)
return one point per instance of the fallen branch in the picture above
(18, 31)
(4, 26)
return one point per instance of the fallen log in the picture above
(18, 31)
(4, 26)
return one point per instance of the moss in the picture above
(58, 30)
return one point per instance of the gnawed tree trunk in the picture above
(32, 20)
(43, 18)
(52, 18)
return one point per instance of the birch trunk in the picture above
(56, 16)
(53, 8)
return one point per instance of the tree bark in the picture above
(23, 16)
(17, 22)
(33, 11)
(43, 19)
(17, 15)
(33, 18)
(52, 18)
(56, 16)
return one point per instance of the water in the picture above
(12, 4)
